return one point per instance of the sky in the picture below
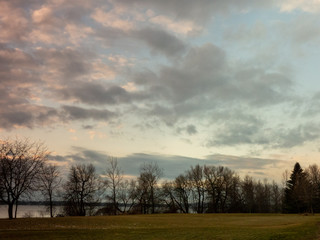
(176, 82)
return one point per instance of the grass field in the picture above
(165, 226)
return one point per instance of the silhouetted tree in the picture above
(81, 190)
(168, 197)
(235, 200)
(276, 197)
(247, 189)
(128, 195)
(313, 178)
(296, 190)
(197, 180)
(114, 180)
(150, 173)
(182, 192)
(49, 182)
(21, 162)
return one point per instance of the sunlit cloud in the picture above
(234, 78)
(311, 6)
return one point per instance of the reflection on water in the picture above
(29, 211)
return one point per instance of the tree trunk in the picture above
(10, 210)
(51, 206)
(16, 210)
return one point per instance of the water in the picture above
(29, 211)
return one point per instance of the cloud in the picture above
(190, 129)
(296, 136)
(88, 127)
(171, 165)
(204, 83)
(78, 113)
(206, 72)
(312, 6)
(236, 163)
(64, 61)
(112, 19)
(196, 74)
(66, 64)
(302, 30)
(17, 66)
(26, 115)
(161, 41)
(238, 133)
(13, 23)
(198, 11)
(93, 93)
(185, 27)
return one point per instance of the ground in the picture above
(165, 226)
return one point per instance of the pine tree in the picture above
(296, 200)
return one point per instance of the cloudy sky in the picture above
(178, 82)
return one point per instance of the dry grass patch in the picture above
(164, 226)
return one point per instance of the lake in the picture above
(29, 211)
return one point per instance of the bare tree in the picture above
(49, 182)
(313, 178)
(114, 181)
(81, 190)
(196, 176)
(150, 174)
(182, 190)
(168, 197)
(21, 162)
(276, 197)
(128, 194)
(220, 186)
(247, 190)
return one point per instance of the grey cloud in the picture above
(303, 30)
(111, 36)
(88, 126)
(258, 87)
(82, 155)
(198, 72)
(18, 118)
(200, 11)
(57, 158)
(70, 63)
(27, 115)
(130, 165)
(171, 165)
(236, 127)
(78, 113)
(236, 134)
(189, 129)
(161, 41)
(204, 82)
(247, 34)
(297, 136)
(94, 93)
(12, 60)
(235, 162)
(157, 39)
(205, 74)
(256, 133)
(311, 107)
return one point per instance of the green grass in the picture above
(165, 226)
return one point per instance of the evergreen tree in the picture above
(296, 191)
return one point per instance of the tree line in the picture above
(25, 173)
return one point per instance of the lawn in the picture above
(165, 226)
